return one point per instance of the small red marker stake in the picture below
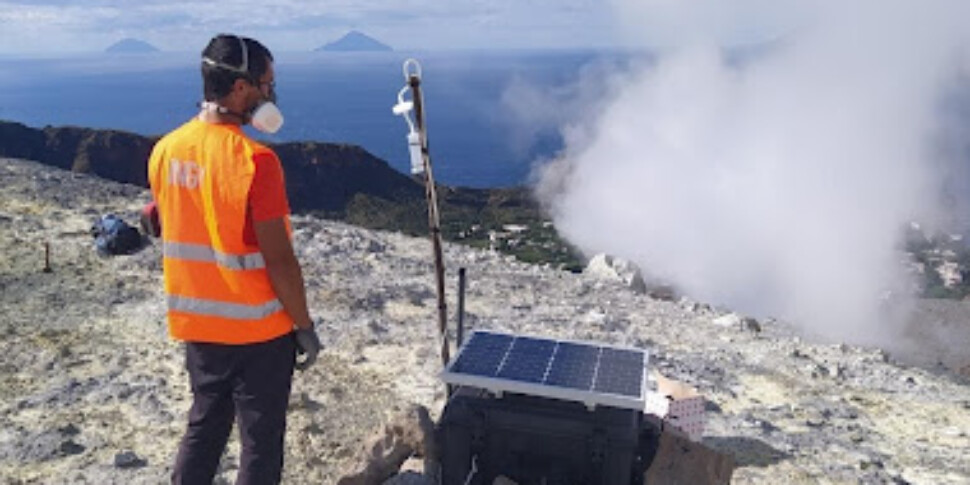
(47, 257)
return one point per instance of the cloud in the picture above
(668, 23)
(778, 186)
(183, 24)
(533, 114)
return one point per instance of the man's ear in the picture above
(239, 85)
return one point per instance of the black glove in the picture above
(307, 343)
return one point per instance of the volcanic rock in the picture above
(87, 369)
(612, 268)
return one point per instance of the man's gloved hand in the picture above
(150, 223)
(307, 343)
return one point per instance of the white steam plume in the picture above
(776, 184)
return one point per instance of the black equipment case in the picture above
(540, 441)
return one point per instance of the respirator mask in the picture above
(265, 116)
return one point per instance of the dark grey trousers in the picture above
(249, 384)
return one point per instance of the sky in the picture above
(51, 27)
(65, 26)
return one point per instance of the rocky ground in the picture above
(93, 391)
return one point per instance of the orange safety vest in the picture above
(215, 283)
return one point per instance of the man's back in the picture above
(202, 175)
(233, 286)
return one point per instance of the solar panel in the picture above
(591, 373)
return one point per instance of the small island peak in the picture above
(130, 45)
(355, 41)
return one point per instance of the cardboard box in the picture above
(678, 404)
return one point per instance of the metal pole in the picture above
(434, 222)
(47, 257)
(460, 338)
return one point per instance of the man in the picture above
(234, 287)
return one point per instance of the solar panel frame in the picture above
(569, 381)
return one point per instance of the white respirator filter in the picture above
(267, 118)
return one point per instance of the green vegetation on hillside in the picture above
(943, 262)
(506, 220)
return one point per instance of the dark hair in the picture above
(226, 49)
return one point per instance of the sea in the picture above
(475, 139)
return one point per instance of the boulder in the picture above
(738, 321)
(728, 320)
(610, 268)
(680, 461)
(408, 434)
(128, 459)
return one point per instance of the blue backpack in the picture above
(113, 236)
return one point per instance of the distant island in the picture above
(130, 46)
(355, 41)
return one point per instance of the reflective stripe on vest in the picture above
(205, 254)
(236, 311)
